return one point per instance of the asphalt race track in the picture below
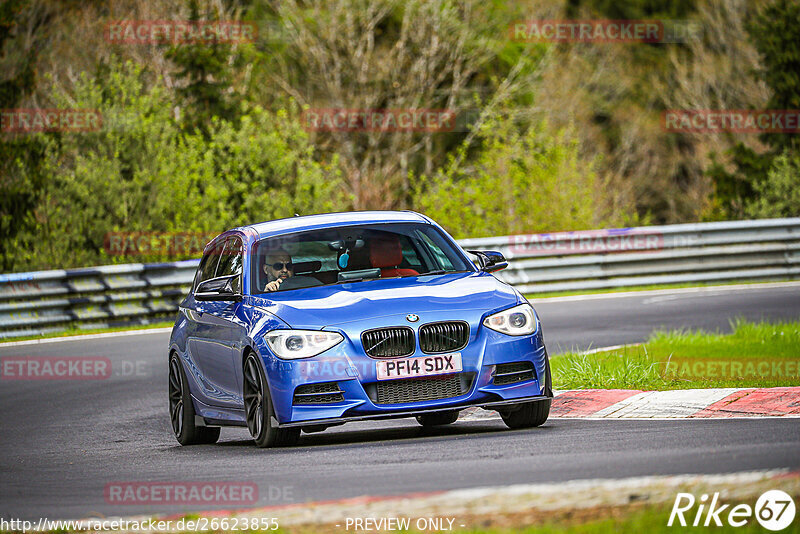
(599, 321)
(64, 441)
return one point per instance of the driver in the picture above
(278, 267)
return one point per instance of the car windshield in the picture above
(352, 254)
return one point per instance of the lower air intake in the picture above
(422, 389)
(325, 393)
(511, 373)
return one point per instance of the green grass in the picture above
(651, 519)
(76, 331)
(651, 287)
(751, 356)
(632, 519)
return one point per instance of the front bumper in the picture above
(354, 373)
(496, 405)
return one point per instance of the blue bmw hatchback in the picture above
(304, 323)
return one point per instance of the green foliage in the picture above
(779, 194)
(266, 170)
(206, 77)
(220, 144)
(111, 179)
(519, 182)
(21, 175)
(636, 9)
(736, 189)
(141, 173)
(22, 82)
(775, 32)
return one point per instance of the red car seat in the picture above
(386, 253)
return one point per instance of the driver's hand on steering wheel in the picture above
(274, 285)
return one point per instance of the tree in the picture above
(521, 181)
(394, 54)
(775, 31)
(206, 73)
(776, 34)
(779, 194)
(27, 29)
(20, 156)
(142, 173)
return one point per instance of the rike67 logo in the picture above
(774, 510)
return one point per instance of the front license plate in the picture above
(440, 364)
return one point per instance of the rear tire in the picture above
(438, 418)
(259, 411)
(181, 409)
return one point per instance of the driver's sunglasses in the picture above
(279, 266)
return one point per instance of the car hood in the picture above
(425, 296)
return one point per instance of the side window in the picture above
(231, 261)
(208, 266)
(198, 275)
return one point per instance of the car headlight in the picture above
(517, 321)
(296, 344)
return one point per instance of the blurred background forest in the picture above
(565, 136)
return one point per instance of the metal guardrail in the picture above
(767, 249)
(38, 302)
(98, 297)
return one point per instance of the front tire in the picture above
(181, 409)
(532, 414)
(259, 411)
(438, 418)
(528, 415)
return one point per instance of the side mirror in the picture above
(490, 261)
(220, 288)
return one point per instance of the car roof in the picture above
(331, 220)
